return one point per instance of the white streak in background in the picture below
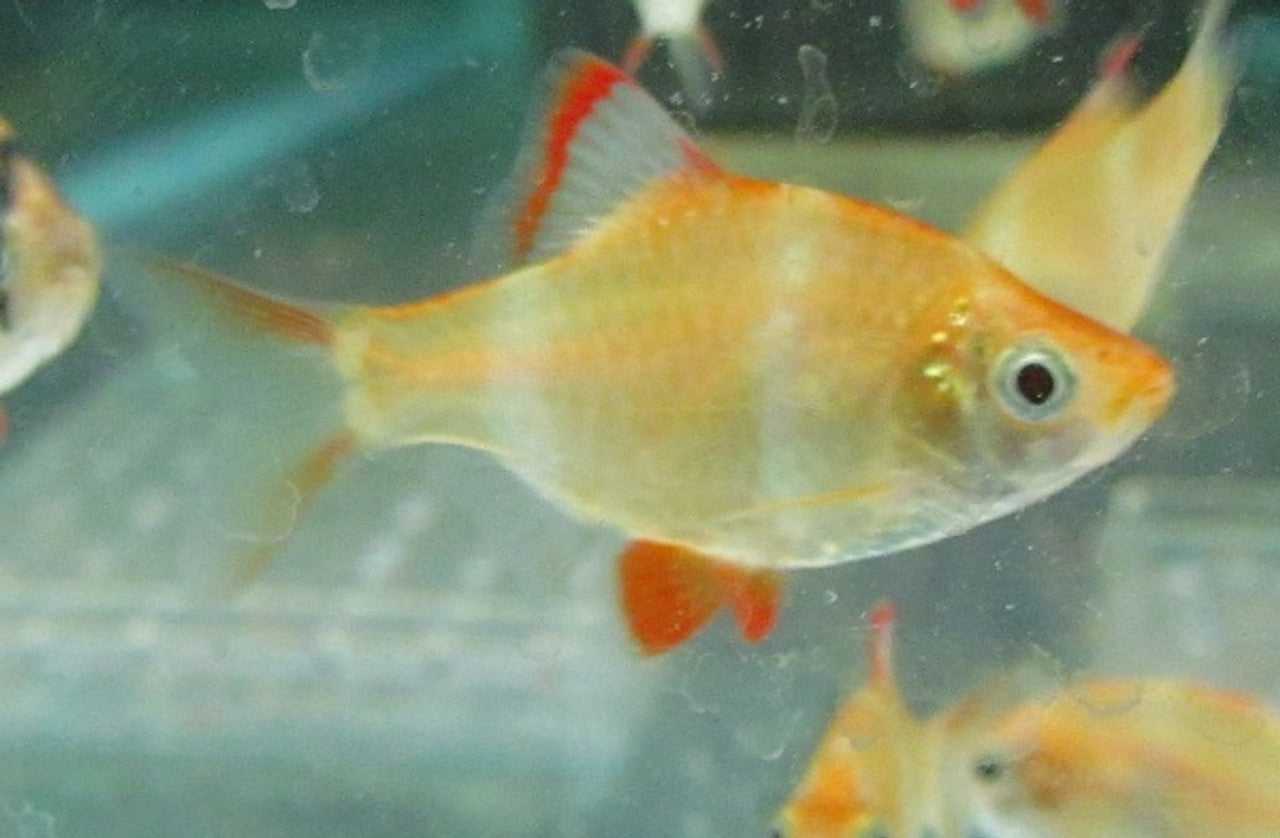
(281, 4)
(819, 112)
(138, 178)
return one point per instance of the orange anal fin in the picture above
(289, 501)
(964, 6)
(244, 307)
(756, 599)
(670, 592)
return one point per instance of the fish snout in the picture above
(1146, 385)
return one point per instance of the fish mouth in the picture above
(1142, 401)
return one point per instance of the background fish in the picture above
(957, 38)
(49, 267)
(678, 23)
(742, 376)
(1090, 217)
(1132, 759)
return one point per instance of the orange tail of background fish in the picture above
(1091, 216)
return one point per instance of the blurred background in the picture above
(438, 650)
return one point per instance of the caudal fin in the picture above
(251, 375)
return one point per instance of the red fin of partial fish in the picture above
(1039, 12)
(883, 616)
(669, 593)
(1119, 57)
(597, 140)
(637, 53)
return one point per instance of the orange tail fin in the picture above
(670, 592)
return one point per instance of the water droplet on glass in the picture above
(335, 61)
(819, 111)
(298, 188)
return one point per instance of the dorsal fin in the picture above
(596, 140)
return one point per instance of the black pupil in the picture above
(988, 770)
(1035, 383)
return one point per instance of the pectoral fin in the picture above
(670, 592)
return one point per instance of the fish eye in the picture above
(1034, 381)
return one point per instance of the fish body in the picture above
(1090, 217)
(678, 24)
(742, 376)
(1130, 759)
(50, 266)
(1126, 758)
(957, 38)
(766, 407)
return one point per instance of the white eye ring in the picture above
(1034, 381)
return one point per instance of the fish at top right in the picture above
(1090, 217)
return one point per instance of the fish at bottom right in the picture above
(1123, 758)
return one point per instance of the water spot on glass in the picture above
(65, 17)
(830, 596)
(819, 112)
(298, 188)
(824, 6)
(693, 684)
(338, 60)
(920, 80)
(765, 738)
(280, 4)
(151, 509)
(29, 822)
(875, 22)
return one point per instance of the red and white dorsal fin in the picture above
(597, 139)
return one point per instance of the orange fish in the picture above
(1091, 216)
(49, 268)
(741, 376)
(1129, 759)
(958, 38)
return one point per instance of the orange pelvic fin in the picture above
(596, 141)
(670, 592)
(288, 501)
